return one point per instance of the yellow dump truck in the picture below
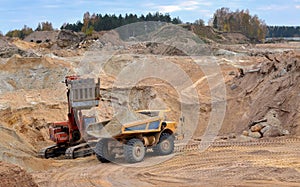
(131, 134)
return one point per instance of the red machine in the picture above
(69, 136)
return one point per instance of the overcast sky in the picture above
(14, 14)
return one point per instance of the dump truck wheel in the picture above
(102, 152)
(134, 151)
(165, 145)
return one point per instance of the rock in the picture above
(245, 133)
(272, 118)
(265, 129)
(233, 86)
(223, 52)
(285, 132)
(243, 138)
(273, 132)
(256, 128)
(67, 38)
(8, 49)
(232, 136)
(254, 134)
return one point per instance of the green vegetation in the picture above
(283, 31)
(240, 21)
(98, 22)
(44, 26)
(199, 22)
(25, 31)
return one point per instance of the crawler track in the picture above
(81, 150)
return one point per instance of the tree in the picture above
(176, 21)
(39, 27)
(283, 31)
(89, 31)
(25, 31)
(108, 22)
(200, 22)
(240, 21)
(215, 22)
(44, 26)
(86, 19)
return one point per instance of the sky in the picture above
(14, 14)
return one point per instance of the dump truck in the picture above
(131, 134)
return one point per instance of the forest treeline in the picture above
(98, 22)
(283, 31)
(223, 20)
(25, 31)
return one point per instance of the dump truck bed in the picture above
(101, 130)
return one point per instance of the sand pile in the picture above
(113, 127)
(8, 49)
(155, 49)
(271, 87)
(32, 73)
(12, 175)
(24, 132)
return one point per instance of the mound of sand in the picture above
(31, 73)
(12, 175)
(272, 85)
(8, 49)
(114, 126)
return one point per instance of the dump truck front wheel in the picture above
(165, 145)
(134, 151)
(102, 151)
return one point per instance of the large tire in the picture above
(165, 146)
(134, 151)
(102, 151)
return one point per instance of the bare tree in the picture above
(200, 22)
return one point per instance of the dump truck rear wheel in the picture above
(134, 151)
(102, 151)
(165, 145)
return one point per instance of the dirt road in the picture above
(256, 165)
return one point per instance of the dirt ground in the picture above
(275, 164)
(32, 96)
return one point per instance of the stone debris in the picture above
(269, 126)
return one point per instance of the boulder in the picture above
(256, 128)
(7, 49)
(255, 134)
(245, 133)
(273, 131)
(68, 39)
(265, 129)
